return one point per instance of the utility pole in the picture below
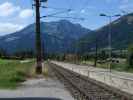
(38, 39)
(110, 43)
(109, 36)
(43, 49)
(95, 63)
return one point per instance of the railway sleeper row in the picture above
(84, 88)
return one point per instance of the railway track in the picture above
(84, 88)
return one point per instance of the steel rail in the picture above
(90, 89)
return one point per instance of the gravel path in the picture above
(38, 89)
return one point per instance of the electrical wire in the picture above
(56, 13)
(82, 7)
(67, 17)
(69, 5)
(64, 10)
(33, 10)
(55, 8)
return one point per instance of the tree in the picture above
(130, 55)
(3, 53)
(24, 54)
(103, 55)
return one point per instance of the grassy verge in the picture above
(12, 72)
(122, 66)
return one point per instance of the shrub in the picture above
(130, 55)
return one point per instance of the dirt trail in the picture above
(40, 86)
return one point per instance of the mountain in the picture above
(56, 36)
(121, 33)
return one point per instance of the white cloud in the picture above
(6, 28)
(7, 9)
(26, 13)
(83, 11)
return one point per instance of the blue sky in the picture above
(17, 14)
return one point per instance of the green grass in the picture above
(122, 66)
(12, 72)
(89, 62)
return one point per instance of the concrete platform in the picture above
(119, 80)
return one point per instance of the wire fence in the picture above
(120, 80)
(113, 79)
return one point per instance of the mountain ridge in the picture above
(54, 34)
(121, 32)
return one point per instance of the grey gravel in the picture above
(38, 88)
